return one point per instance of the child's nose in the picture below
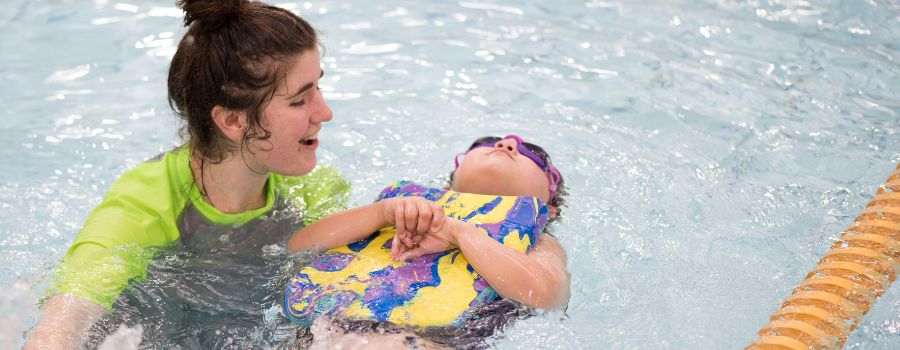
(509, 144)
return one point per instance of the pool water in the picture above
(713, 149)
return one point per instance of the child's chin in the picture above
(487, 184)
(495, 170)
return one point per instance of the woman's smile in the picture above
(311, 141)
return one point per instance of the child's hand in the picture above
(413, 217)
(443, 239)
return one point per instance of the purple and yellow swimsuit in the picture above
(361, 281)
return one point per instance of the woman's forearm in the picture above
(64, 322)
(339, 229)
(539, 278)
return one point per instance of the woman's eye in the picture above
(303, 101)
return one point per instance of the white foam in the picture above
(124, 338)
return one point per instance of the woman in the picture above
(245, 81)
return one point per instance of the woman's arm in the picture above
(64, 322)
(539, 278)
(86, 283)
(414, 214)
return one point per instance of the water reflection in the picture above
(696, 136)
(222, 291)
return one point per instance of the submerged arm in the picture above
(64, 323)
(88, 281)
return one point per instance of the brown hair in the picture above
(233, 55)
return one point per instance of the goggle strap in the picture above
(553, 177)
(514, 137)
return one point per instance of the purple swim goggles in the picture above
(530, 150)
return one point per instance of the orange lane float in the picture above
(861, 265)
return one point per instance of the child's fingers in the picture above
(395, 246)
(399, 221)
(425, 216)
(411, 254)
(412, 215)
(438, 219)
(407, 240)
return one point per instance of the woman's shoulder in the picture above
(166, 175)
(322, 177)
(146, 198)
(321, 192)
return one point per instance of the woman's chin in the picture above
(301, 168)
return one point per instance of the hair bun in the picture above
(211, 13)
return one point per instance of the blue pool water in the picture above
(713, 148)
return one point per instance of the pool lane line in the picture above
(860, 266)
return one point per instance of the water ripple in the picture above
(712, 148)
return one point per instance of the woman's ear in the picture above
(551, 212)
(232, 123)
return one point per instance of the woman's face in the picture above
(500, 170)
(294, 117)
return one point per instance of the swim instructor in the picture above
(244, 80)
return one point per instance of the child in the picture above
(437, 253)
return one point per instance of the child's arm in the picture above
(539, 278)
(414, 214)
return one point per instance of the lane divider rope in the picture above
(861, 265)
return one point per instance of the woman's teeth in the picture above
(309, 140)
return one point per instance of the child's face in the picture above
(501, 170)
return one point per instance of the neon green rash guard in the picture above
(157, 204)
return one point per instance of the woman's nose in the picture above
(509, 144)
(323, 113)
